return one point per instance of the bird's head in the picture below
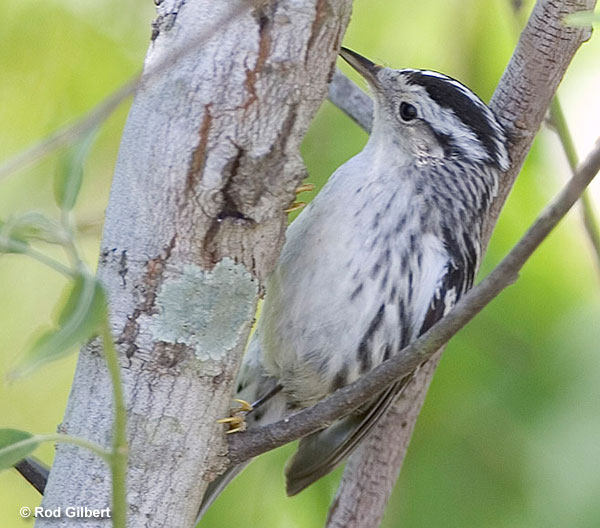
(429, 114)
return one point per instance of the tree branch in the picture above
(590, 223)
(374, 468)
(34, 471)
(355, 103)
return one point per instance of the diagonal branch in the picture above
(355, 103)
(590, 222)
(344, 401)
(35, 472)
(97, 115)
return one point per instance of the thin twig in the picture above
(71, 132)
(36, 440)
(119, 452)
(355, 103)
(344, 401)
(101, 111)
(21, 248)
(591, 224)
(590, 221)
(35, 472)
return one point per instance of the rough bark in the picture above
(544, 51)
(208, 162)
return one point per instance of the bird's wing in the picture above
(320, 452)
(449, 290)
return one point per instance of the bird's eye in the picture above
(407, 111)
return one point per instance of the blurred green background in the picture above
(510, 432)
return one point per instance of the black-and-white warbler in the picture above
(383, 252)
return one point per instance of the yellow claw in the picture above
(236, 423)
(296, 206)
(245, 406)
(305, 187)
(231, 419)
(237, 420)
(240, 429)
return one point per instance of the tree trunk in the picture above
(208, 162)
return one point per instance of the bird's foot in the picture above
(237, 420)
(305, 187)
(236, 424)
(296, 206)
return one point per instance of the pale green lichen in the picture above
(207, 310)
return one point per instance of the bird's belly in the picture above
(322, 332)
(307, 332)
(347, 292)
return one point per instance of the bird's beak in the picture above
(362, 65)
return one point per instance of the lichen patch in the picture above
(207, 310)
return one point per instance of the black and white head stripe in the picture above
(478, 130)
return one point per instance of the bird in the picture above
(386, 248)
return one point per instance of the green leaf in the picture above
(79, 320)
(10, 451)
(86, 303)
(9, 243)
(69, 176)
(582, 18)
(33, 225)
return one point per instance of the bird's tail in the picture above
(217, 486)
(254, 386)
